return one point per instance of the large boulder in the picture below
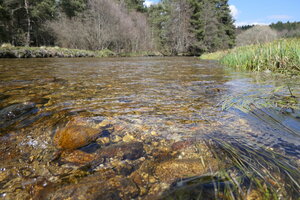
(75, 136)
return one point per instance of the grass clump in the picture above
(281, 56)
(213, 56)
(105, 53)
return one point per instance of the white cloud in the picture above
(148, 3)
(234, 11)
(280, 17)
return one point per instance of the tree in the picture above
(212, 25)
(256, 35)
(104, 24)
(180, 35)
(159, 16)
(137, 5)
(22, 18)
(73, 7)
(204, 26)
(226, 25)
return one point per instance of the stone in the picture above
(75, 136)
(116, 139)
(92, 188)
(77, 157)
(153, 133)
(171, 170)
(130, 151)
(128, 138)
(3, 175)
(181, 145)
(16, 112)
(103, 141)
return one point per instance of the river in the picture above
(167, 111)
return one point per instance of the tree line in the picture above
(251, 34)
(172, 27)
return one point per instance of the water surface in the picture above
(177, 98)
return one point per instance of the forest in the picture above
(172, 27)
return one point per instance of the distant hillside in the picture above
(286, 30)
(289, 29)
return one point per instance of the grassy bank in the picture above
(8, 51)
(281, 56)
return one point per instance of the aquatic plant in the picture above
(279, 56)
(251, 172)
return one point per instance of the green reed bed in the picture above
(279, 56)
(214, 56)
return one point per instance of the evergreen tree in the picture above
(73, 7)
(159, 16)
(138, 5)
(226, 26)
(212, 25)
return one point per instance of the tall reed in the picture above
(279, 56)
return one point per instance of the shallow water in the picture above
(177, 98)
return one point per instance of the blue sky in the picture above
(261, 11)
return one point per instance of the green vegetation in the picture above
(214, 56)
(9, 51)
(281, 56)
(172, 27)
(287, 30)
(191, 27)
(278, 56)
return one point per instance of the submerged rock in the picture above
(16, 112)
(75, 136)
(131, 151)
(77, 157)
(3, 96)
(169, 171)
(93, 187)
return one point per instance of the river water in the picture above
(174, 99)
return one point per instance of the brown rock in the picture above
(77, 157)
(74, 136)
(131, 151)
(181, 145)
(92, 188)
(171, 170)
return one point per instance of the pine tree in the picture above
(73, 7)
(212, 25)
(23, 20)
(159, 16)
(226, 25)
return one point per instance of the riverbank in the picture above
(281, 56)
(8, 51)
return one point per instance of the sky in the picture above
(261, 12)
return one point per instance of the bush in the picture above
(256, 35)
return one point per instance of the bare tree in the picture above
(256, 35)
(105, 24)
(180, 26)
